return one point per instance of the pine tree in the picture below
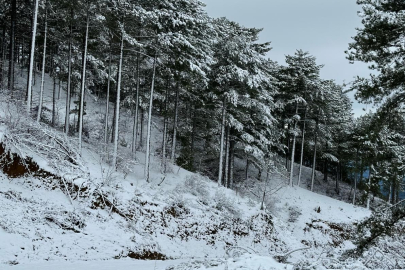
(242, 88)
(380, 44)
(300, 82)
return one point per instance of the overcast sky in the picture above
(322, 27)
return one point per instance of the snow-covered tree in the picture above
(242, 88)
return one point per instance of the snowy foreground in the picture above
(187, 219)
(244, 262)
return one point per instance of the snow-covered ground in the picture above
(123, 264)
(186, 217)
(246, 261)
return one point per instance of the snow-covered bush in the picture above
(145, 249)
(197, 185)
(293, 213)
(126, 163)
(177, 209)
(224, 203)
(176, 198)
(270, 203)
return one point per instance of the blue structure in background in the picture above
(401, 194)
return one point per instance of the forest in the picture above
(175, 88)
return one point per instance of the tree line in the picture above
(221, 99)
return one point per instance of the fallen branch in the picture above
(8, 193)
(246, 249)
(392, 206)
(108, 203)
(283, 258)
(67, 191)
(163, 179)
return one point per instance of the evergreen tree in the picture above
(299, 82)
(380, 44)
(243, 88)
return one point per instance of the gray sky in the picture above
(322, 27)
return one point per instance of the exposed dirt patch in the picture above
(14, 167)
(177, 210)
(147, 255)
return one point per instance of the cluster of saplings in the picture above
(223, 103)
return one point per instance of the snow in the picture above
(30, 236)
(123, 264)
(246, 261)
(181, 215)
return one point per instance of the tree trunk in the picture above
(117, 111)
(34, 80)
(393, 191)
(176, 109)
(138, 80)
(113, 120)
(83, 84)
(337, 177)
(22, 57)
(54, 102)
(17, 51)
(34, 33)
(164, 144)
(390, 194)
(355, 177)
(265, 188)
(314, 159)
(148, 134)
(226, 178)
(232, 162)
(361, 170)
(396, 192)
(302, 147)
(41, 92)
(69, 85)
(221, 151)
(325, 166)
(247, 168)
(369, 186)
(3, 57)
(59, 89)
(288, 149)
(193, 129)
(141, 132)
(107, 105)
(12, 45)
(293, 149)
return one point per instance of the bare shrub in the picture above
(196, 185)
(293, 213)
(224, 203)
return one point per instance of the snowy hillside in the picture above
(85, 215)
(187, 217)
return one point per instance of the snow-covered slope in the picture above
(100, 215)
(185, 217)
